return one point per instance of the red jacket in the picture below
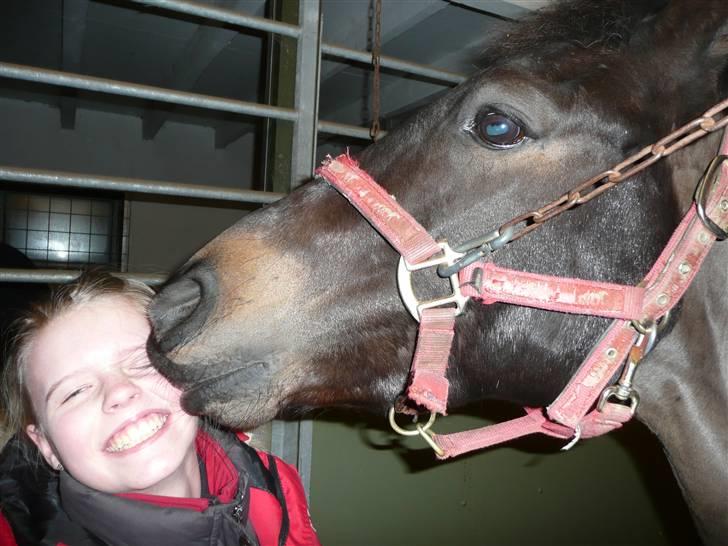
(253, 497)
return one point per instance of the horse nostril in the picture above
(180, 309)
(174, 303)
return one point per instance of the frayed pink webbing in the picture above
(394, 223)
(593, 375)
(568, 413)
(469, 440)
(428, 385)
(566, 295)
(594, 424)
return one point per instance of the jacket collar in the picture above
(124, 520)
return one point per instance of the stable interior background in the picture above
(366, 487)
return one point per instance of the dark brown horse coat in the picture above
(296, 306)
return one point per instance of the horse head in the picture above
(297, 306)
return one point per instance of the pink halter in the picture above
(585, 407)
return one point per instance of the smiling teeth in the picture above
(136, 433)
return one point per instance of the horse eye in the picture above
(499, 130)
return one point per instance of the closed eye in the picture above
(75, 393)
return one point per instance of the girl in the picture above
(130, 467)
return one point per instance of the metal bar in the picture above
(297, 437)
(115, 87)
(308, 54)
(264, 136)
(393, 63)
(333, 128)
(53, 276)
(305, 453)
(224, 15)
(134, 185)
(249, 21)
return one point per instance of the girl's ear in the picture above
(43, 445)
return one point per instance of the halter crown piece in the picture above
(587, 406)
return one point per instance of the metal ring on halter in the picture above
(427, 437)
(574, 439)
(701, 196)
(420, 430)
(404, 431)
(406, 290)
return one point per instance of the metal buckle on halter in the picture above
(404, 281)
(702, 191)
(623, 390)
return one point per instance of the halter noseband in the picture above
(585, 408)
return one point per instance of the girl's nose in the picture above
(120, 390)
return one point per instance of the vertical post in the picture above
(304, 155)
(282, 93)
(306, 98)
(292, 441)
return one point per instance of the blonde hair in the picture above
(88, 287)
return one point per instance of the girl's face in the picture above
(103, 412)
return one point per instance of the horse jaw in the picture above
(262, 345)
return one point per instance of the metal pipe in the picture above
(55, 276)
(308, 56)
(115, 87)
(393, 63)
(231, 17)
(134, 185)
(249, 21)
(333, 128)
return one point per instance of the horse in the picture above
(297, 307)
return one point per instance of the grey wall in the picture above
(614, 490)
(161, 235)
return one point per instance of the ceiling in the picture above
(121, 40)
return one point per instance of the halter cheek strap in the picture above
(637, 309)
